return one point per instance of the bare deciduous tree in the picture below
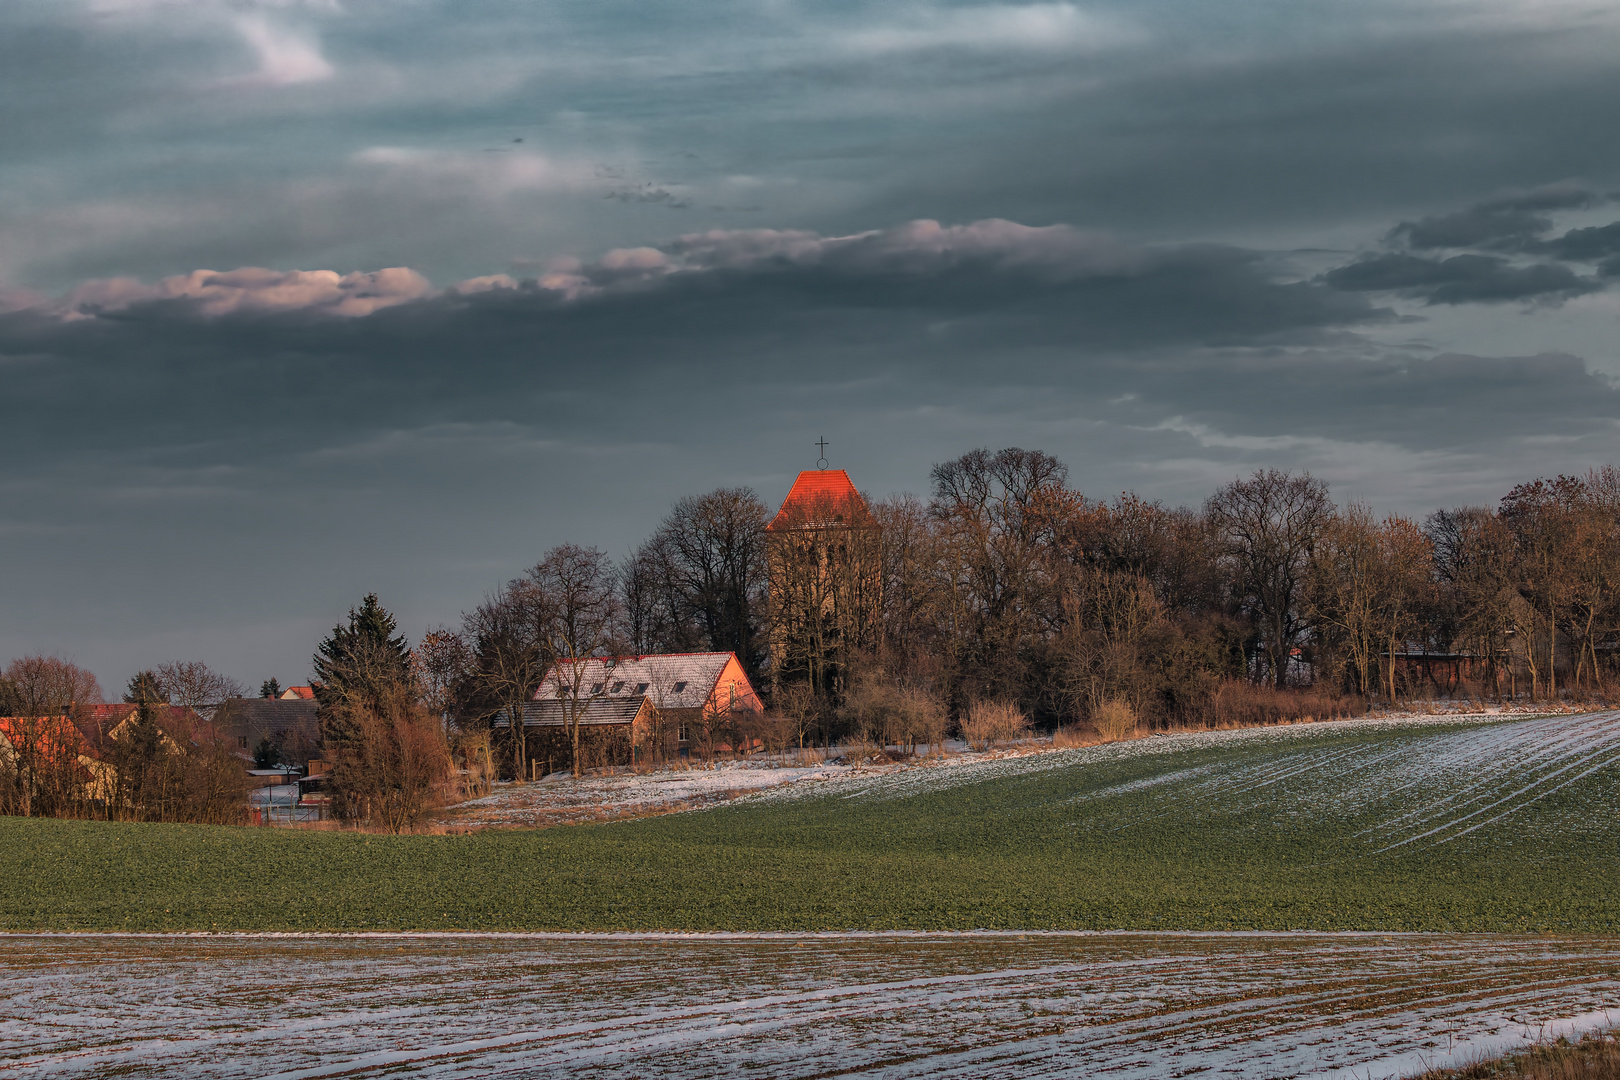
(577, 588)
(1268, 526)
(195, 687)
(508, 636)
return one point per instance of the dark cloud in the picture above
(1461, 279)
(1445, 402)
(1585, 245)
(1510, 221)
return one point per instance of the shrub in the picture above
(1237, 703)
(1115, 719)
(1070, 736)
(394, 765)
(993, 721)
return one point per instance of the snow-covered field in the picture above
(1443, 784)
(962, 1005)
(1434, 785)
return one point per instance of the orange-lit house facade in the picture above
(825, 558)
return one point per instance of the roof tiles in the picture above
(817, 487)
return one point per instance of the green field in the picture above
(1502, 827)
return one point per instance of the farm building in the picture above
(631, 705)
(85, 743)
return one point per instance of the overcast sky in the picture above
(300, 300)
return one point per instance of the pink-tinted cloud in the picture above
(255, 289)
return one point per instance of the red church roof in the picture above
(819, 486)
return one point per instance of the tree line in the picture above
(1003, 598)
(1005, 585)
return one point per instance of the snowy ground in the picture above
(975, 1006)
(562, 800)
(279, 803)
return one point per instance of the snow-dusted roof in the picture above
(670, 680)
(608, 710)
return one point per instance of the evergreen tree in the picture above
(358, 666)
(270, 688)
(144, 689)
(267, 755)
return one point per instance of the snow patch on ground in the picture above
(1131, 1006)
(562, 800)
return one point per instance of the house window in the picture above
(241, 741)
(679, 687)
(618, 687)
(641, 688)
(597, 689)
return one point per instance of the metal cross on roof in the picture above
(821, 462)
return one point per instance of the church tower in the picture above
(825, 554)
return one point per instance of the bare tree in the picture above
(195, 687)
(51, 686)
(396, 766)
(1473, 559)
(1268, 526)
(997, 513)
(508, 635)
(444, 665)
(1544, 518)
(707, 562)
(578, 590)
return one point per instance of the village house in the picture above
(50, 746)
(87, 740)
(636, 705)
(290, 724)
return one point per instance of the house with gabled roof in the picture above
(106, 722)
(626, 705)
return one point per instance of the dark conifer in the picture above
(356, 665)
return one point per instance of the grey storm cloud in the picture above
(1192, 330)
(1461, 279)
(1508, 221)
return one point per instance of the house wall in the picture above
(733, 689)
(600, 746)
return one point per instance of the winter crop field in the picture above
(1504, 826)
(1127, 1006)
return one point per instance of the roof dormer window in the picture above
(679, 687)
(618, 687)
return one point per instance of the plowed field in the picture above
(972, 1005)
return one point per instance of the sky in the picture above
(305, 300)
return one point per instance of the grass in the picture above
(1596, 1057)
(1193, 845)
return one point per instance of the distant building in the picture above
(291, 725)
(106, 723)
(633, 704)
(298, 693)
(824, 550)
